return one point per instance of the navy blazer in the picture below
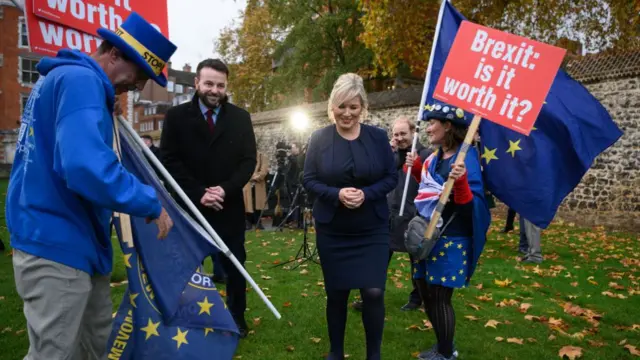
(378, 160)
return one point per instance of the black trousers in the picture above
(414, 296)
(511, 216)
(236, 283)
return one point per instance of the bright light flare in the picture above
(299, 120)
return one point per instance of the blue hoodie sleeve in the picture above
(82, 157)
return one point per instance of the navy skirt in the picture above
(353, 249)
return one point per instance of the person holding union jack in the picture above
(462, 227)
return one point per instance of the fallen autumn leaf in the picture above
(572, 352)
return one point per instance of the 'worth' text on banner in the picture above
(499, 76)
(57, 24)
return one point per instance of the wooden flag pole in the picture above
(444, 197)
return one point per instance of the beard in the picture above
(212, 100)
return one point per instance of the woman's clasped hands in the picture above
(352, 198)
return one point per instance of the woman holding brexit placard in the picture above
(451, 261)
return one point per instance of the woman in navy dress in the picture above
(349, 169)
(465, 221)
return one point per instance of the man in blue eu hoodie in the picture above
(65, 184)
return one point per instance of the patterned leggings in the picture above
(437, 300)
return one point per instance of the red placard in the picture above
(499, 76)
(46, 37)
(89, 15)
(57, 24)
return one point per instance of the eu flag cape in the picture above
(170, 310)
(480, 215)
(533, 174)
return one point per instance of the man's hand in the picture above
(212, 200)
(216, 190)
(164, 224)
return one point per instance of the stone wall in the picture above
(608, 195)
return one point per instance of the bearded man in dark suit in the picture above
(209, 147)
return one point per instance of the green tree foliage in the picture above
(319, 44)
(400, 32)
(248, 49)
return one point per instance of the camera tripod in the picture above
(304, 253)
(266, 201)
(293, 209)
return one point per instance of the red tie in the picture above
(212, 126)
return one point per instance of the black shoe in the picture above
(357, 305)
(410, 306)
(243, 328)
(507, 230)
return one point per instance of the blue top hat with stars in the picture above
(141, 43)
(444, 112)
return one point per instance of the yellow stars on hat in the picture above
(132, 299)
(449, 244)
(207, 331)
(461, 272)
(430, 278)
(459, 246)
(181, 338)
(464, 253)
(441, 253)
(127, 260)
(489, 155)
(513, 147)
(205, 306)
(443, 279)
(434, 259)
(151, 329)
(453, 278)
(459, 113)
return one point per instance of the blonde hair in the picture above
(406, 120)
(347, 87)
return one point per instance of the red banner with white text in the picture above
(57, 24)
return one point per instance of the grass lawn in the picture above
(586, 295)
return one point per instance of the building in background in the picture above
(146, 109)
(18, 74)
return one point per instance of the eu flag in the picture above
(170, 309)
(533, 174)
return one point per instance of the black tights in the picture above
(372, 319)
(437, 300)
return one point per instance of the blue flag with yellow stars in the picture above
(533, 174)
(165, 314)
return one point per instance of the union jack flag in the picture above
(428, 192)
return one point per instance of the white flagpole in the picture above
(215, 239)
(425, 90)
